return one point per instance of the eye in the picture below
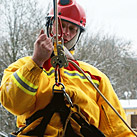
(71, 28)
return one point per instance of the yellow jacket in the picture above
(26, 88)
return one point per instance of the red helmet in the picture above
(70, 10)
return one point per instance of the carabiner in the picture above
(62, 90)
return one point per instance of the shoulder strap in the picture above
(86, 128)
(58, 105)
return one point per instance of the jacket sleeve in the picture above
(19, 86)
(110, 124)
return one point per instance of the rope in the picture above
(75, 65)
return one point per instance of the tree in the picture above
(111, 55)
(19, 27)
(21, 22)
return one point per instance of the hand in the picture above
(43, 49)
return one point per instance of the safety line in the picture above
(75, 65)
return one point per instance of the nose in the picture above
(66, 31)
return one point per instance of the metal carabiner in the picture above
(68, 98)
(62, 90)
(58, 90)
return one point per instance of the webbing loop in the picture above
(62, 90)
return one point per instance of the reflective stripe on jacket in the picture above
(26, 88)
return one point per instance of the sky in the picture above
(114, 17)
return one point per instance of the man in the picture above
(27, 84)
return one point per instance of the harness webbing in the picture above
(58, 105)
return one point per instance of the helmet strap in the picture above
(70, 44)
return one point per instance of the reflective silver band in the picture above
(23, 83)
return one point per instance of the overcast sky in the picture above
(113, 16)
(118, 17)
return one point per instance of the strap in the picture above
(66, 123)
(70, 131)
(86, 128)
(91, 130)
(57, 105)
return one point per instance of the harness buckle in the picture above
(62, 90)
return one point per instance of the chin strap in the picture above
(71, 44)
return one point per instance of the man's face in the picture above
(69, 30)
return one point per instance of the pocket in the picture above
(106, 118)
(105, 122)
